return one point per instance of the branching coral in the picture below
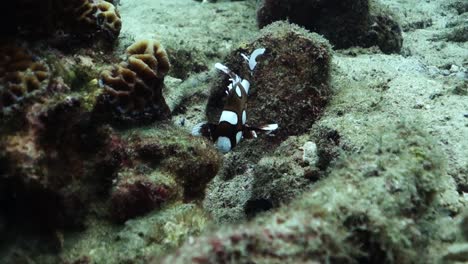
(133, 89)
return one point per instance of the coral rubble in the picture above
(132, 90)
(345, 23)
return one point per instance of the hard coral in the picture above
(21, 76)
(56, 18)
(133, 89)
(92, 15)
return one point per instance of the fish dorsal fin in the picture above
(252, 60)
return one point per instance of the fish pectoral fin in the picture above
(204, 129)
(249, 133)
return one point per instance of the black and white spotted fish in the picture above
(232, 126)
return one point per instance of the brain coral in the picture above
(21, 76)
(133, 89)
(94, 14)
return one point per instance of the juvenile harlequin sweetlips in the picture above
(232, 126)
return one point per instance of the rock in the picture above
(163, 164)
(135, 195)
(51, 164)
(345, 23)
(290, 84)
(349, 216)
(310, 155)
(244, 188)
(457, 252)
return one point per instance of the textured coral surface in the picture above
(133, 88)
(91, 19)
(21, 76)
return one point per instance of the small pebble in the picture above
(445, 72)
(461, 75)
(454, 68)
(310, 153)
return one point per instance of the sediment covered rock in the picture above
(290, 84)
(379, 204)
(345, 23)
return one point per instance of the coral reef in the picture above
(132, 90)
(290, 85)
(372, 207)
(345, 23)
(342, 180)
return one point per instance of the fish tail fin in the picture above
(268, 128)
(251, 132)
